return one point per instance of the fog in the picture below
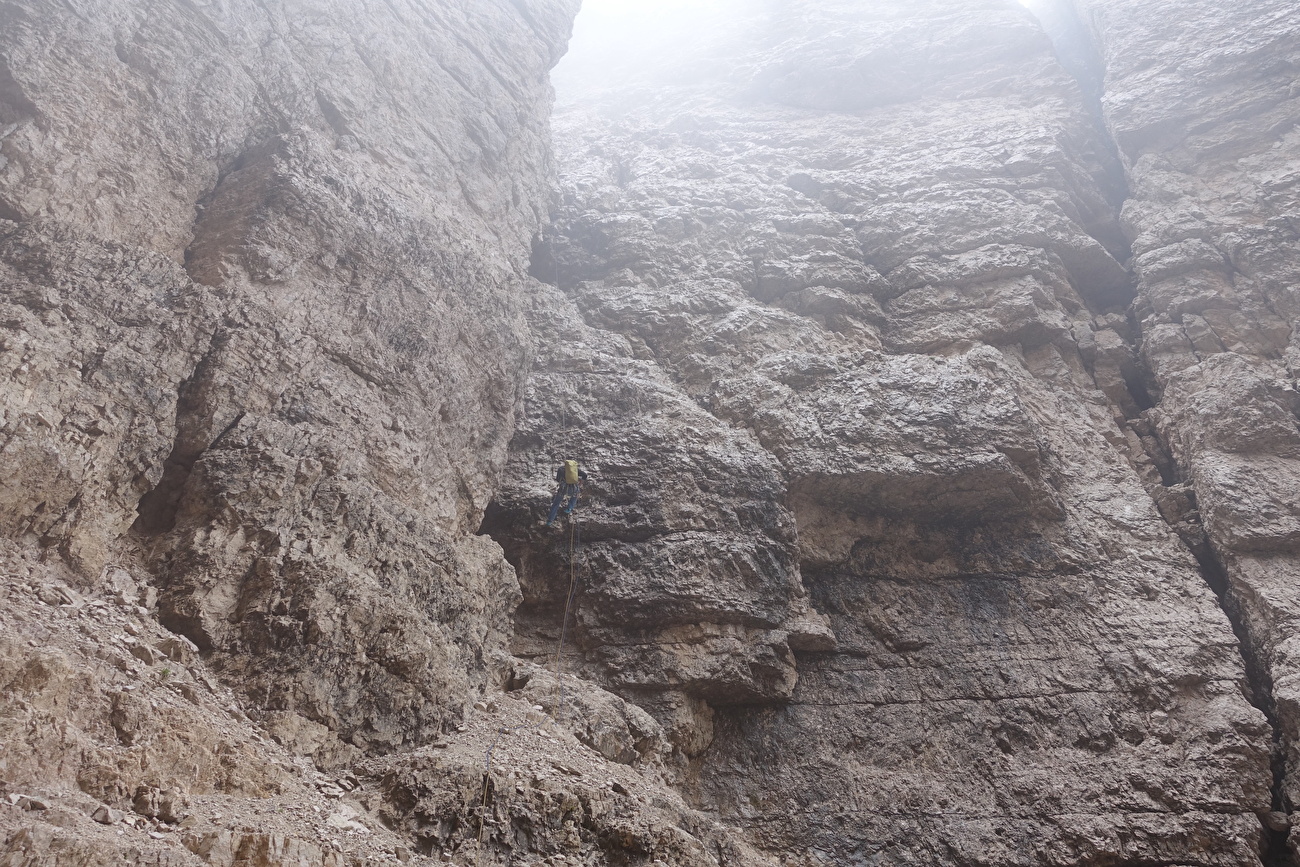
(629, 43)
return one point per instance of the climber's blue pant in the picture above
(571, 491)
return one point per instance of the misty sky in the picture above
(616, 42)
(631, 40)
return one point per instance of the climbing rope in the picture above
(568, 605)
(559, 696)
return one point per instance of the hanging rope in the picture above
(559, 695)
(559, 699)
(568, 605)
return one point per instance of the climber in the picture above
(569, 478)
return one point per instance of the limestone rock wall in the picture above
(891, 257)
(933, 362)
(263, 341)
(1206, 128)
(263, 285)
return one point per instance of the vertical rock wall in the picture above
(262, 267)
(1203, 102)
(936, 380)
(875, 262)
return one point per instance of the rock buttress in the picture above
(848, 286)
(262, 334)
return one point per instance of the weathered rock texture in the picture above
(263, 332)
(874, 261)
(1206, 126)
(263, 344)
(934, 365)
(264, 273)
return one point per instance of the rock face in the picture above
(1208, 140)
(263, 333)
(262, 350)
(934, 365)
(881, 255)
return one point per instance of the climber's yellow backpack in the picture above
(571, 472)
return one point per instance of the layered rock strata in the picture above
(882, 255)
(264, 270)
(936, 380)
(263, 344)
(262, 332)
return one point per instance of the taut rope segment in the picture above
(564, 626)
(559, 693)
